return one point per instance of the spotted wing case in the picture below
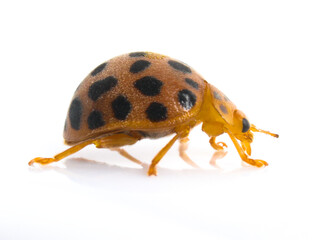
(137, 91)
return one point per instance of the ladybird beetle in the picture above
(148, 95)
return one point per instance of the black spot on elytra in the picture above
(192, 83)
(149, 86)
(121, 107)
(245, 125)
(137, 54)
(157, 112)
(179, 66)
(95, 120)
(223, 109)
(100, 87)
(75, 113)
(98, 69)
(187, 99)
(217, 95)
(139, 66)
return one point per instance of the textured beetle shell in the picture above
(91, 116)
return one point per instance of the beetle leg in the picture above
(125, 154)
(221, 150)
(182, 152)
(152, 168)
(62, 155)
(217, 146)
(182, 132)
(243, 155)
(114, 142)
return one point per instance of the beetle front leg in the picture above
(243, 155)
(182, 152)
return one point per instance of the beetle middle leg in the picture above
(220, 148)
(181, 132)
(182, 152)
(152, 168)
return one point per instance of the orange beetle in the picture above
(148, 95)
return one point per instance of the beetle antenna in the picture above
(254, 129)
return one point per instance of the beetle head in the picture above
(240, 128)
(243, 130)
(240, 123)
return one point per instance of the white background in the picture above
(264, 55)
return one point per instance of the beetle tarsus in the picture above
(42, 161)
(152, 171)
(217, 146)
(256, 162)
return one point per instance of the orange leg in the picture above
(217, 146)
(182, 151)
(152, 168)
(62, 155)
(220, 148)
(125, 154)
(182, 132)
(112, 142)
(244, 157)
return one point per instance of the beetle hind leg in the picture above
(113, 142)
(61, 155)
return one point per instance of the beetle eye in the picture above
(245, 125)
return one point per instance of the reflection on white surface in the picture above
(84, 198)
(93, 173)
